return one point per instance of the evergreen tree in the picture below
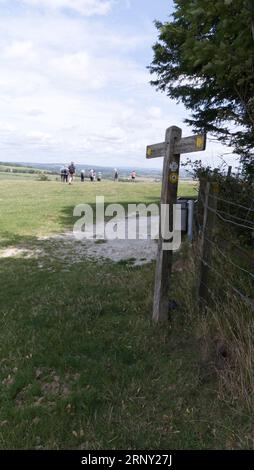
(204, 57)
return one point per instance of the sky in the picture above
(74, 83)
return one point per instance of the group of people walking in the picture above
(93, 176)
(67, 174)
(116, 175)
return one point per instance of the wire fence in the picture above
(223, 245)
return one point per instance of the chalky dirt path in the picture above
(67, 248)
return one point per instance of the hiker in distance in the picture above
(133, 176)
(72, 171)
(91, 175)
(82, 176)
(65, 174)
(115, 175)
(62, 174)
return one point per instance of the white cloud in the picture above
(73, 88)
(84, 7)
(78, 69)
(154, 112)
(19, 50)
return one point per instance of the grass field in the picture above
(17, 177)
(82, 367)
(42, 207)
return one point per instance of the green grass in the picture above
(40, 207)
(17, 177)
(82, 366)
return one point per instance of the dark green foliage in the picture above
(235, 202)
(205, 58)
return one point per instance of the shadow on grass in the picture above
(67, 219)
(14, 239)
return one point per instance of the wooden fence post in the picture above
(200, 205)
(209, 219)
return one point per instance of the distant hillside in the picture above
(107, 172)
(21, 168)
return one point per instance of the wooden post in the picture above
(229, 171)
(210, 207)
(168, 196)
(200, 205)
(171, 150)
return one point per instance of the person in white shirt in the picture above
(133, 175)
(91, 172)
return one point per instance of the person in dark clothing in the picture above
(65, 174)
(62, 174)
(72, 171)
(82, 176)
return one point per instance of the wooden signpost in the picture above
(171, 150)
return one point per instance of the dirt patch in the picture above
(13, 252)
(67, 249)
(73, 251)
(52, 387)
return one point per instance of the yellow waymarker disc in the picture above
(149, 152)
(173, 178)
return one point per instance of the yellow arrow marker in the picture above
(200, 141)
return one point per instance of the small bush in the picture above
(43, 177)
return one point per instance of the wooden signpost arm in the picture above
(168, 196)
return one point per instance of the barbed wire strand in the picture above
(223, 218)
(232, 203)
(236, 217)
(232, 244)
(245, 252)
(230, 221)
(228, 259)
(250, 210)
(246, 299)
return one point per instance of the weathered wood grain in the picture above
(194, 143)
(164, 257)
